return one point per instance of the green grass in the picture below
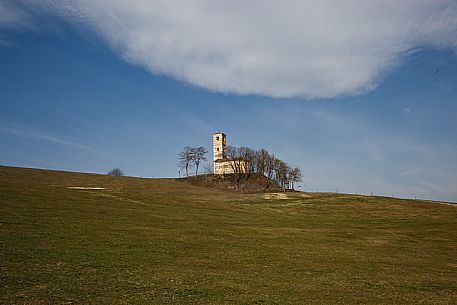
(163, 241)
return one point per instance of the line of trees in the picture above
(262, 162)
(191, 157)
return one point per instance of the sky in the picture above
(361, 95)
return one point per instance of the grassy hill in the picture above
(165, 241)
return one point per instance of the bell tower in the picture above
(219, 146)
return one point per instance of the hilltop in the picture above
(88, 238)
(244, 183)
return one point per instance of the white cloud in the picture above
(277, 48)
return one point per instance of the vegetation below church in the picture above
(118, 240)
(244, 183)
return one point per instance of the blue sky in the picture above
(76, 96)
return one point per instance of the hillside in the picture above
(249, 183)
(87, 238)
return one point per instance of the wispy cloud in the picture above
(11, 17)
(45, 137)
(412, 171)
(407, 110)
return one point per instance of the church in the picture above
(222, 164)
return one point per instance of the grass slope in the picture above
(162, 241)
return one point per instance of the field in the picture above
(164, 241)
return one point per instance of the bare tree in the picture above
(270, 166)
(198, 156)
(248, 155)
(281, 171)
(261, 160)
(186, 157)
(116, 172)
(295, 175)
(208, 168)
(232, 154)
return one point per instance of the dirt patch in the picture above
(85, 188)
(280, 196)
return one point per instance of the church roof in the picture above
(230, 159)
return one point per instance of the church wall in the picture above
(226, 167)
